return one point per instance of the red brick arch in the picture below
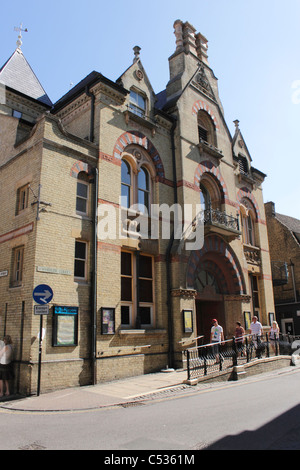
(137, 138)
(201, 105)
(80, 166)
(246, 193)
(217, 250)
(209, 167)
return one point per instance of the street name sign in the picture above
(41, 309)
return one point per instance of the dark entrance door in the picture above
(205, 312)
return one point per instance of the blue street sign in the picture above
(42, 294)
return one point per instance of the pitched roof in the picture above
(90, 80)
(17, 74)
(291, 223)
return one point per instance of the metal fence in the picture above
(217, 357)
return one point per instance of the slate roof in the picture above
(17, 74)
(83, 85)
(291, 223)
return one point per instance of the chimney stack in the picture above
(189, 42)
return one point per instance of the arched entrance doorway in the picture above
(215, 273)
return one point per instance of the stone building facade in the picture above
(140, 211)
(284, 241)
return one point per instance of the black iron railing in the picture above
(216, 216)
(217, 357)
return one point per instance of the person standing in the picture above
(239, 337)
(216, 337)
(274, 335)
(6, 372)
(256, 331)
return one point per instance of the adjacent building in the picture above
(284, 241)
(139, 210)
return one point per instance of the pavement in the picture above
(119, 392)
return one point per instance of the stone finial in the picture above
(136, 51)
(236, 123)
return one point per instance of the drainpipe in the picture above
(92, 119)
(94, 281)
(168, 259)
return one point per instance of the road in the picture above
(262, 412)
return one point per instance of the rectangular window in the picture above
(129, 298)
(82, 197)
(126, 288)
(255, 295)
(146, 290)
(80, 264)
(22, 198)
(17, 266)
(137, 103)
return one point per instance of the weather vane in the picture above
(20, 29)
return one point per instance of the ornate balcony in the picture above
(218, 221)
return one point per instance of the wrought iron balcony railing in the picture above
(217, 217)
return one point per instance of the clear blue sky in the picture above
(254, 48)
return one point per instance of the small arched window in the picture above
(126, 184)
(206, 128)
(82, 193)
(211, 195)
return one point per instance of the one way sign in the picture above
(42, 294)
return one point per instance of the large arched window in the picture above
(126, 184)
(206, 280)
(137, 175)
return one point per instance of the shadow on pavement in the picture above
(283, 433)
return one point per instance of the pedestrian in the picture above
(256, 331)
(216, 336)
(239, 338)
(274, 335)
(6, 371)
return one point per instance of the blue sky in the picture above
(254, 48)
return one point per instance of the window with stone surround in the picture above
(17, 267)
(137, 103)
(22, 198)
(137, 297)
(82, 194)
(80, 261)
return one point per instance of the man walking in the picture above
(216, 336)
(256, 331)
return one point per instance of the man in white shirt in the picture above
(256, 331)
(216, 336)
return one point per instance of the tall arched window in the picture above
(126, 184)
(206, 128)
(82, 193)
(248, 222)
(204, 197)
(211, 195)
(144, 190)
